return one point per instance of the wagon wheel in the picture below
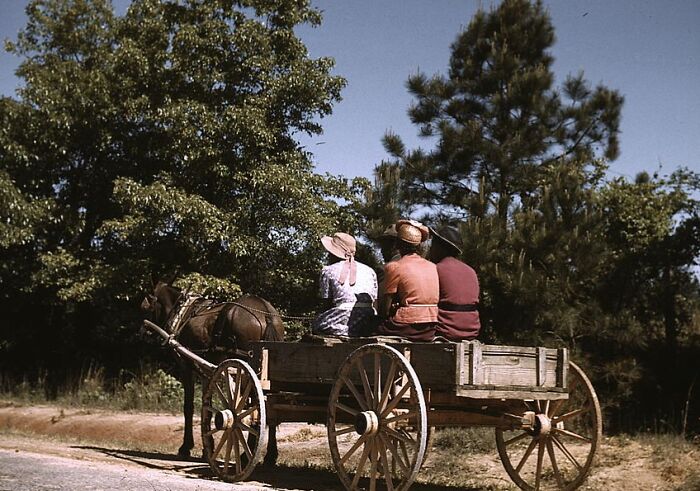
(233, 421)
(558, 453)
(377, 420)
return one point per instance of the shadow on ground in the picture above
(278, 477)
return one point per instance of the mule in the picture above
(220, 331)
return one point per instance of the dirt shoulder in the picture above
(644, 463)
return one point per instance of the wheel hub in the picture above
(223, 420)
(543, 425)
(367, 423)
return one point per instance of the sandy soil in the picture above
(304, 463)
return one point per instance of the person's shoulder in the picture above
(365, 269)
(452, 262)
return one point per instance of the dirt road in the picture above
(47, 448)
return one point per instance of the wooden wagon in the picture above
(380, 398)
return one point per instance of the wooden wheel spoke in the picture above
(400, 417)
(344, 431)
(361, 465)
(402, 437)
(377, 393)
(395, 401)
(554, 408)
(249, 429)
(404, 451)
(211, 432)
(247, 412)
(365, 383)
(373, 466)
(566, 452)
(244, 443)
(209, 409)
(529, 450)
(395, 453)
(218, 448)
(227, 457)
(244, 395)
(517, 438)
(387, 385)
(358, 397)
(222, 396)
(571, 414)
(574, 435)
(384, 460)
(237, 454)
(347, 409)
(555, 466)
(540, 458)
(353, 449)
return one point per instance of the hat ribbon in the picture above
(349, 268)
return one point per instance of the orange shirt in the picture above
(415, 282)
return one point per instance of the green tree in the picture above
(515, 159)
(164, 139)
(498, 122)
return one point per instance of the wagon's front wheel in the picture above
(233, 421)
(558, 452)
(377, 420)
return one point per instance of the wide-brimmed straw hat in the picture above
(411, 231)
(449, 236)
(340, 244)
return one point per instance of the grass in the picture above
(150, 389)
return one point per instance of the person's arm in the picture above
(388, 290)
(384, 307)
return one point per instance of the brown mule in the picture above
(222, 330)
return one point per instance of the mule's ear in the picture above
(174, 276)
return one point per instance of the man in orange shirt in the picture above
(411, 288)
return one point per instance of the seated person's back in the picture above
(458, 315)
(411, 289)
(350, 289)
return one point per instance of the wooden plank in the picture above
(476, 374)
(562, 367)
(264, 375)
(447, 418)
(541, 367)
(523, 393)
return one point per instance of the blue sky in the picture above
(647, 50)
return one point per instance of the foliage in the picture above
(162, 140)
(565, 256)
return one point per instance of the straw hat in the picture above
(411, 231)
(341, 245)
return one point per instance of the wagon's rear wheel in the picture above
(377, 420)
(559, 452)
(233, 421)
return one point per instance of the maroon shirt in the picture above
(459, 285)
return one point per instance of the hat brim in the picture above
(332, 248)
(445, 241)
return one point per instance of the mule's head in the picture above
(157, 306)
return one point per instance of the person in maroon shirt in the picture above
(458, 314)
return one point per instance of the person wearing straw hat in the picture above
(458, 314)
(411, 288)
(349, 288)
(388, 250)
